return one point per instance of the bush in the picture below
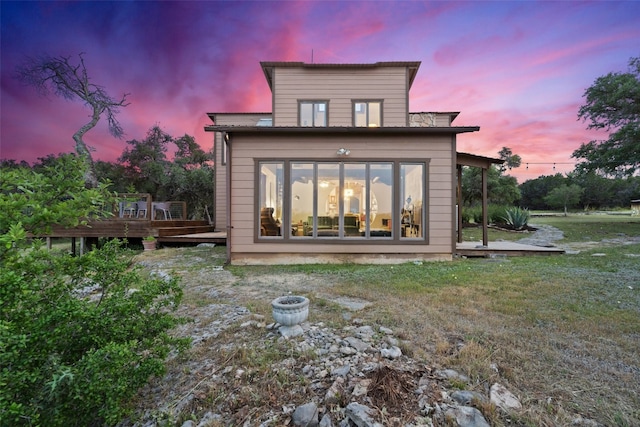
(78, 335)
(494, 213)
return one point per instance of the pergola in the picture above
(465, 159)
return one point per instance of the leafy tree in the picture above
(501, 189)
(189, 177)
(53, 192)
(76, 340)
(70, 80)
(613, 104)
(534, 191)
(511, 161)
(564, 196)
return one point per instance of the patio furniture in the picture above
(128, 209)
(164, 208)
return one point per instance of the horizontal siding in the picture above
(220, 208)
(248, 148)
(340, 87)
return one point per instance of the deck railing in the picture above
(140, 206)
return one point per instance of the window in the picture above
(313, 113)
(360, 201)
(270, 199)
(411, 196)
(367, 113)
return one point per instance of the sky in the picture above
(517, 69)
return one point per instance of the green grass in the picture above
(563, 330)
(580, 228)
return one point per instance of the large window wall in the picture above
(302, 200)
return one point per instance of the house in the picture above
(339, 171)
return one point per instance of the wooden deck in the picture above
(476, 249)
(132, 228)
(217, 237)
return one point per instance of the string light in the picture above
(553, 165)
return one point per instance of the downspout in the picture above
(227, 141)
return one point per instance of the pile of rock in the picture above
(364, 380)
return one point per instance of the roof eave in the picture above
(345, 129)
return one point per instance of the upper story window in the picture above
(367, 113)
(313, 113)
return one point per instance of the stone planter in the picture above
(290, 310)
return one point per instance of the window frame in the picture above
(313, 103)
(367, 119)
(396, 237)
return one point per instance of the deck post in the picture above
(459, 201)
(485, 210)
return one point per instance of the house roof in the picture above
(268, 67)
(466, 159)
(343, 129)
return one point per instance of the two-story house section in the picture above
(340, 171)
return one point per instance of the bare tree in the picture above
(69, 80)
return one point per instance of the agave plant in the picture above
(516, 217)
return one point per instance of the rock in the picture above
(356, 343)
(347, 351)
(326, 421)
(385, 331)
(391, 353)
(188, 423)
(342, 371)
(584, 422)
(305, 415)
(334, 392)
(361, 388)
(466, 398)
(450, 374)
(206, 245)
(503, 398)
(364, 332)
(290, 331)
(466, 416)
(360, 415)
(210, 419)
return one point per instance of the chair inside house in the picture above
(128, 209)
(268, 225)
(164, 208)
(142, 209)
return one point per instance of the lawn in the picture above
(561, 332)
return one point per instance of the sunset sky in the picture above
(516, 69)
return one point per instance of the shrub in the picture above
(516, 217)
(78, 335)
(75, 360)
(494, 213)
